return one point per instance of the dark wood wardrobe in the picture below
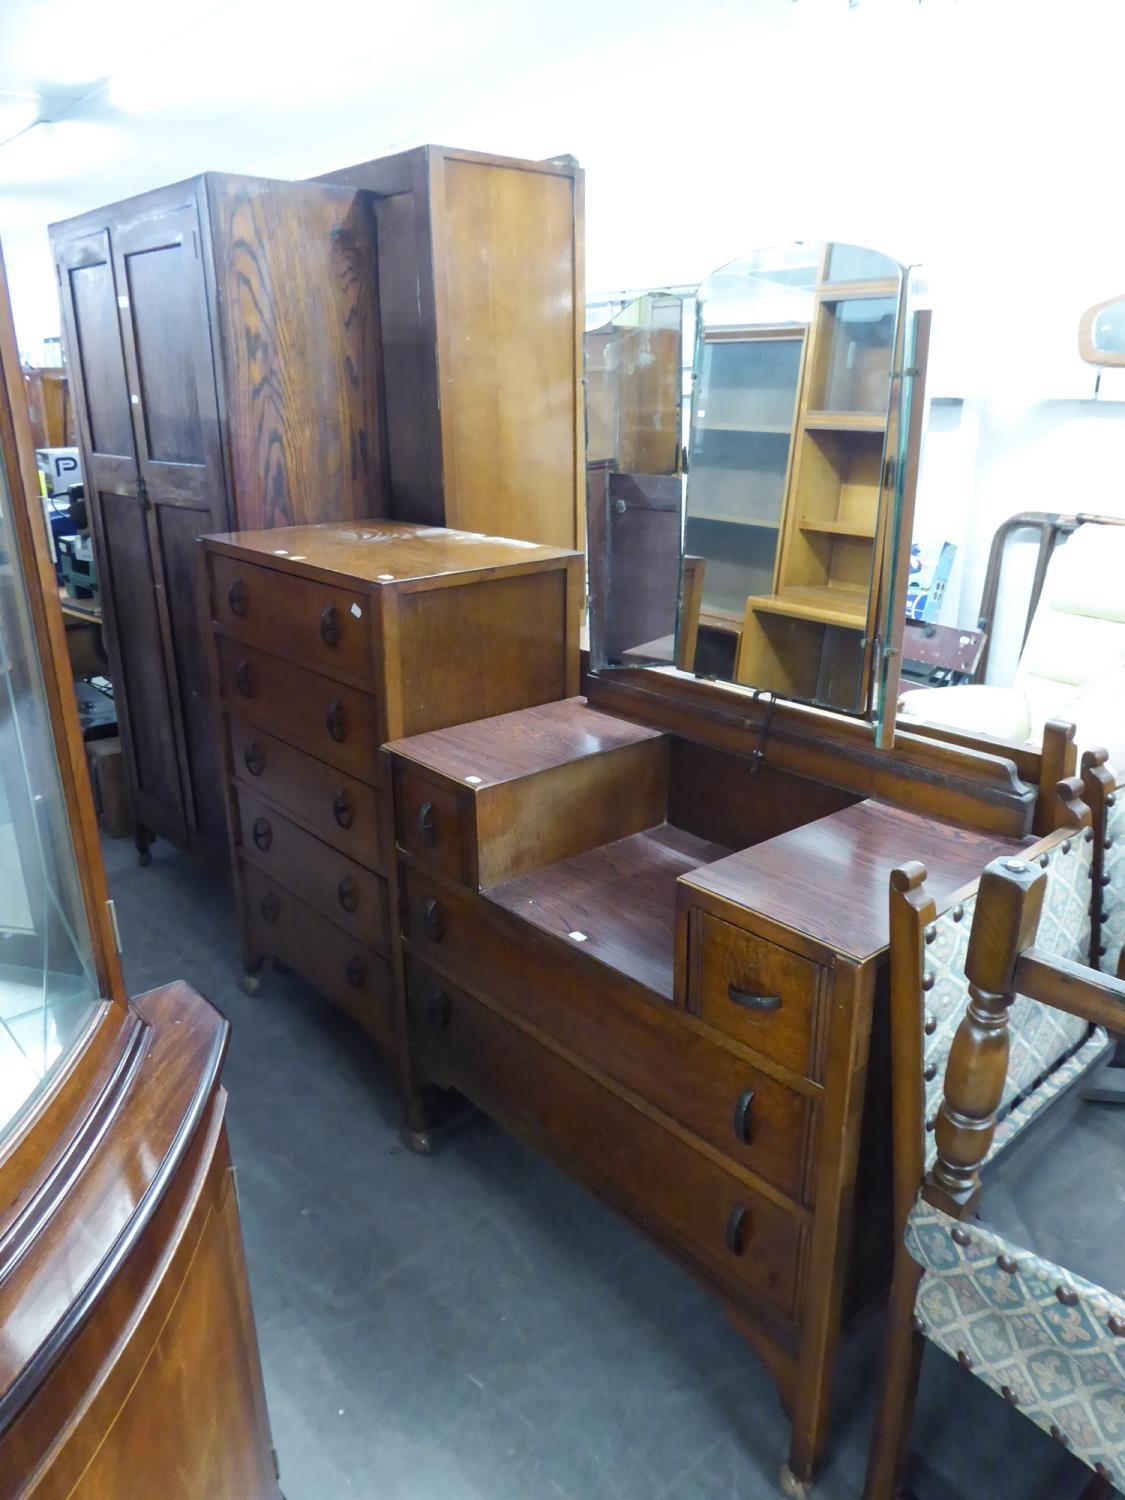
(222, 338)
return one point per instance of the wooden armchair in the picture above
(996, 1011)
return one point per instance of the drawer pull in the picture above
(441, 1010)
(356, 972)
(255, 758)
(433, 920)
(336, 721)
(343, 809)
(750, 1001)
(236, 597)
(244, 679)
(737, 1224)
(347, 892)
(427, 828)
(742, 1120)
(330, 625)
(271, 906)
(262, 833)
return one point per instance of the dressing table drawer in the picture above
(767, 997)
(299, 617)
(737, 1235)
(334, 722)
(342, 811)
(278, 924)
(336, 886)
(430, 824)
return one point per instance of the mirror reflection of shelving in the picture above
(792, 415)
(741, 441)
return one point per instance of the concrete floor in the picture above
(476, 1327)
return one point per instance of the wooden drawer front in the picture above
(337, 808)
(333, 722)
(344, 970)
(767, 997)
(339, 888)
(671, 1188)
(645, 1046)
(291, 616)
(430, 823)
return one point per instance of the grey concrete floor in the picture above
(474, 1326)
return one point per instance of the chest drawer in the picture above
(339, 888)
(430, 823)
(280, 925)
(648, 1047)
(748, 1242)
(768, 998)
(337, 724)
(342, 811)
(319, 624)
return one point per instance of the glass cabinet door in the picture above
(48, 993)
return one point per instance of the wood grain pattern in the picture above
(299, 344)
(382, 551)
(621, 897)
(322, 876)
(520, 744)
(825, 879)
(623, 1154)
(336, 807)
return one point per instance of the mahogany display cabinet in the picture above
(128, 1359)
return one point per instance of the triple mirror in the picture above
(802, 385)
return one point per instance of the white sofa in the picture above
(1073, 663)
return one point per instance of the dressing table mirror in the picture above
(1015, 612)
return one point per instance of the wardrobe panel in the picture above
(94, 303)
(165, 328)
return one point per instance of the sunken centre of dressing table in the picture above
(647, 929)
(328, 640)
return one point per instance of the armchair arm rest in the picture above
(1065, 985)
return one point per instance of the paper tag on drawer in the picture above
(357, 611)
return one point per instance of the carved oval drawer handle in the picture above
(255, 758)
(271, 906)
(738, 1228)
(742, 1121)
(356, 972)
(750, 1001)
(427, 828)
(347, 892)
(244, 679)
(330, 625)
(237, 597)
(336, 721)
(433, 920)
(440, 1010)
(262, 833)
(343, 809)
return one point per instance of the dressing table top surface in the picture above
(523, 743)
(829, 879)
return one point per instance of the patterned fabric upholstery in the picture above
(1058, 1360)
(1040, 1037)
(1113, 897)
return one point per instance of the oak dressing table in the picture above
(647, 929)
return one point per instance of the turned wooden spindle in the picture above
(1009, 903)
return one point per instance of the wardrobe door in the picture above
(166, 332)
(129, 583)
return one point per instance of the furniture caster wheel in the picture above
(421, 1142)
(791, 1486)
(251, 983)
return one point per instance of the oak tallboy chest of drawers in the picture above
(327, 641)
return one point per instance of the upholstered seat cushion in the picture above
(972, 708)
(1039, 1335)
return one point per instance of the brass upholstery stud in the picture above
(930, 933)
(1007, 1264)
(960, 1236)
(1067, 1296)
(1044, 861)
(1116, 1326)
(1060, 1436)
(963, 1359)
(958, 912)
(930, 1073)
(1009, 1395)
(928, 979)
(930, 1026)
